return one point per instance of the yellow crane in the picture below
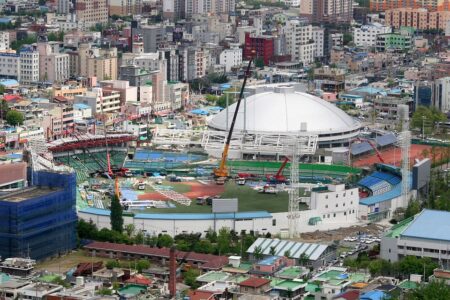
(221, 173)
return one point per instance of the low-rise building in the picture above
(424, 235)
(366, 35)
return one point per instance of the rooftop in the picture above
(213, 276)
(254, 282)
(268, 261)
(290, 285)
(132, 289)
(25, 194)
(429, 224)
(295, 249)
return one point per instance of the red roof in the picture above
(139, 279)
(350, 295)
(11, 97)
(207, 261)
(200, 295)
(255, 282)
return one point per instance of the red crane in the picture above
(278, 177)
(378, 153)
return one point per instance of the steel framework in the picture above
(243, 143)
(405, 143)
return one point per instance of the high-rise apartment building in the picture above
(209, 6)
(29, 65)
(299, 41)
(125, 7)
(332, 11)
(92, 12)
(432, 5)
(419, 18)
(62, 6)
(96, 62)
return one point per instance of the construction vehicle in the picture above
(221, 173)
(278, 178)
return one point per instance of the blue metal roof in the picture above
(374, 295)
(81, 106)
(370, 90)
(8, 82)
(386, 139)
(394, 193)
(360, 148)
(430, 224)
(268, 261)
(181, 216)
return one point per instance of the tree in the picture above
(224, 241)
(14, 118)
(303, 259)
(129, 229)
(111, 264)
(259, 62)
(287, 254)
(436, 290)
(412, 209)
(86, 230)
(165, 240)
(116, 214)
(142, 264)
(139, 238)
(427, 118)
(204, 246)
(190, 278)
(257, 253)
(273, 250)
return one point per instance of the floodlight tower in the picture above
(405, 144)
(293, 192)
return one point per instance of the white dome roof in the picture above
(284, 111)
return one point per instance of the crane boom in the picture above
(283, 165)
(222, 171)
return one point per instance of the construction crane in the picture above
(221, 173)
(278, 177)
(371, 144)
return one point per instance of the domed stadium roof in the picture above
(284, 111)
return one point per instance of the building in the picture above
(254, 286)
(393, 42)
(433, 5)
(217, 7)
(29, 65)
(63, 6)
(419, 18)
(4, 40)
(68, 91)
(316, 254)
(424, 235)
(332, 11)
(53, 66)
(441, 94)
(58, 121)
(366, 35)
(91, 12)
(263, 46)
(278, 112)
(39, 220)
(231, 57)
(100, 101)
(135, 75)
(151, 35)
(97, 62)
(299, 41)
(9, 64)
(125, 8)
(318, 36)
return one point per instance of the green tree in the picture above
(129, 229)
(165, 240)
(211, 235)
(104, 292)
(86, 230)
(116, 214)
(204, 246)
(14, 118)
(412, 209)
(436, 290)
(111, 264)
(303, 259)
(139, 238)
(142, 264)
(427, 117)
(272, 250)
(257, 253)
(190, 278)
(259, 62)
(224, 241)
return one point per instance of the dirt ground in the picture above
(393, 156)
(341, 233)
(65, 263)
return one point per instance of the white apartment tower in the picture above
(299, 41)
(29, 66)
(366, 35)
(4, 40)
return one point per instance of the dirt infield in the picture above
(197, 190)
(393, 156)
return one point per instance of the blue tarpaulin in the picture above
(199, 112)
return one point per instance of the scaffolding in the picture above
(40, 221)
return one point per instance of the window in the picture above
(337, 195)
(389, 250)
(274, 222)
(337, 205)
(334, 215)
(326, 206)
(326, 197)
